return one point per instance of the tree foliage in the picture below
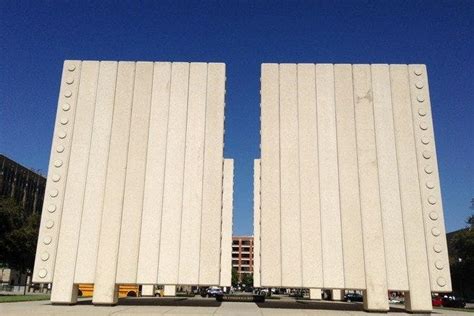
(461, 257)
(248, 279)
(235, 277)
(18, 235)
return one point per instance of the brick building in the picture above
(242, 255)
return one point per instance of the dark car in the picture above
(214, 291)
(353, 297)
(452, 301)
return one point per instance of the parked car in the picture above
(437, 301)
(453, 301)
(214, 291)
(353, 297)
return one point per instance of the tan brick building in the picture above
(242, 255)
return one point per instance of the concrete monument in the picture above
(138, 191)
(347, 192)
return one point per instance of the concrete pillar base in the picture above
(60, 296)
(376, 302)
(106, 297)
(337, 295)
(315, 294)
(148, 290)
(170, 290)
(418, 304)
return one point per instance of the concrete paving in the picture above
(198, 306)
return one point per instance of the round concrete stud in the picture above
(64, 120)
(419, 85)
(421, 112)
(47, 240)
(439, 265)
(425, 140)
(420, 98)
(70, 80)
(66, 106)
(52, 208)
(62, 134)
(45, 256)
(428, 169)
(426, 154)
(418, 71)
(437, 248)
(432, 200)
(49, 224)
(58, 163)
(71, 67)
(423, 126)
(429, 185)
(42, 273)
(53, 193)
(441, 281)
(433, 215)
(435, 232)
(68, 93)
(59, 148)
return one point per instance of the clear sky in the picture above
(36, 36)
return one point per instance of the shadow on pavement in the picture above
(337, 306)
(159, 301)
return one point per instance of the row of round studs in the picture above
(429, 185)
(62, 134)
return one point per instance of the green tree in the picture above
(248, 279)
(235, 277)
(461, 258)
(18, 235)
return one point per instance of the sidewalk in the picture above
(198, 306)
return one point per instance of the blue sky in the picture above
(36, 36)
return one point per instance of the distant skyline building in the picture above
(24, 185)
(242, 255)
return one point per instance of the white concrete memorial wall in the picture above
(135, 182)
(347, 192)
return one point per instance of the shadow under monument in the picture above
(321, 305)
(161, 301)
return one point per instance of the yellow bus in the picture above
(87, 290)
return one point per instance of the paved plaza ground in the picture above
(199, 306)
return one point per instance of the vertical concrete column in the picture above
(154, 175)
(129, 243)
(331, 234)
(337, 295)
(193, 173)
(418, 297)
(226, 237)
(174, 175)
(96, 174)
(211, 215)
(57, 174)
(375, 295)
(435, 233)
(315, 294)
(290, 179)
(270, 253)
(105, 288)
(392, 219)
(353, 248)
(64, 290)
(256, 222)
(170, 290)
(148, 290)
(311, 256)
